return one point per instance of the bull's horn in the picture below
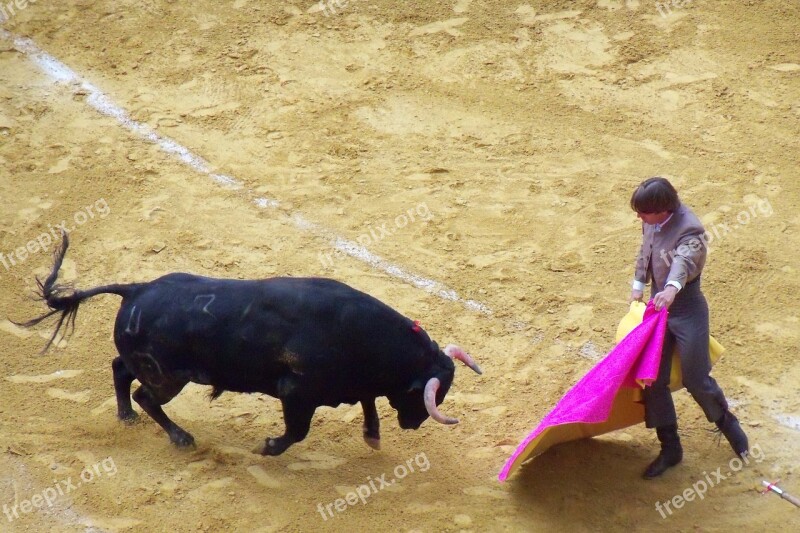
(454, 352)
(430, 403)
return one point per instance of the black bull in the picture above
(306, 341)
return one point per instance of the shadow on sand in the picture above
(592, 484)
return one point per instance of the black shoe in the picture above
(666, 459)
(729, 426)
(671, 452)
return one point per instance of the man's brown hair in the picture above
(655, 195)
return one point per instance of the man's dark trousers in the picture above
(687, 327)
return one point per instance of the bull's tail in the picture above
(65, 299)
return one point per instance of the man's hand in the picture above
(665, 297)
(636, 295)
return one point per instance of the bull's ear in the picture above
(417, 384)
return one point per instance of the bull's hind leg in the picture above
(372, 424)
(297, 416)
(151, 399)
(123, 378)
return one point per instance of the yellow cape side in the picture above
(627, 409)
(634, 318)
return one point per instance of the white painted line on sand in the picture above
(61, 73)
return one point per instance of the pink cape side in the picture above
(632, 363)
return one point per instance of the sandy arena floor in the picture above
(490, 147)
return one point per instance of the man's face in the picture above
(653, 218)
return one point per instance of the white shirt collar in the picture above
(659, 226)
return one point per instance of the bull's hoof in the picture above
(372, 442)
(271, 447)
(129, 417)
(181, 439)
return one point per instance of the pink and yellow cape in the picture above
(609, 397)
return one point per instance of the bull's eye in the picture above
(416, 385)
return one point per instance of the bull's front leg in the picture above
(123, 378)
(297, 416)
(372, 424)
